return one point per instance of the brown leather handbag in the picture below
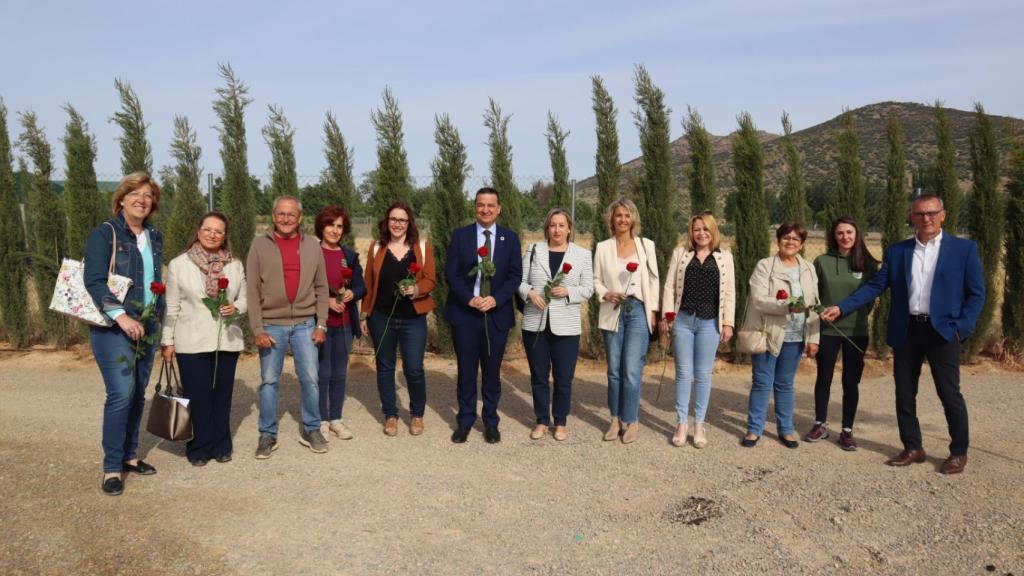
(169, 416)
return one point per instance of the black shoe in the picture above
(460, 435)
(113, 486)
(492, 435)
(749, 443)
(791, 444)
(223, 459)
(142, 469)
(198, 461)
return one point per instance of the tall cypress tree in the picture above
(337, 176)
(560, 190)
(135, 151)
(655, 187)
(946, 179)
(81, 193)
(392, 182)
(13, 289)
(986, 221)
(189, 204)
(751, 214)
(895, 225)
(794, 204)
(1013, 306)
(701, 172)
(607, 170)
(501, 168)
(236, 199)
(49, 226)
(447, 209)
(280, 138)
(849, 199)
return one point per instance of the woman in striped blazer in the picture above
(557, 278)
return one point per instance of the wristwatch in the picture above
(322, 327)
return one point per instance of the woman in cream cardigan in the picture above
(626, 283)
(700, 287)
(789, 329)
(191, 333)
(551, 324)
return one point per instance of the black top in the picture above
(393, 271)
(700, 288)
(555, 262)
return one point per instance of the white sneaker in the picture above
(339, 429)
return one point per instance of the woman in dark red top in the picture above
(399, 276)
(345, 278)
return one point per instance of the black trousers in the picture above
(923, 342)
(853, 368)
(209, 404)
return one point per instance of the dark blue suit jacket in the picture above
(462, 257)
(958, 290)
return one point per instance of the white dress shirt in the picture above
(480, 241)
(922, 274)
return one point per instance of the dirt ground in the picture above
(422, 505)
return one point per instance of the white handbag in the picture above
(72, 299)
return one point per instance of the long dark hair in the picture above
(859, 255)
(412, 235)
(226, 244)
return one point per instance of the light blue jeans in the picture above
(627, 349)
(771, 372)
(694, 343)
(307, 365)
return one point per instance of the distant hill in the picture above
(816, 146)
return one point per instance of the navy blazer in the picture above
(358, 288)
(958, 290)
(508, 273)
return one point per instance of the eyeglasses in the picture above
(137, 194)
(790, 239)
(929, 214)
(401, 221)
(211, 231)
(286, 216)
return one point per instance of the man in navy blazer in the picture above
(938, 290)
(473, 302)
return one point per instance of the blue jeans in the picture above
(410, 334)
(773, 372)
(300, 336)
(694, 343)
(627, 349)
(334, 371)
(126, 392)
(547, 353)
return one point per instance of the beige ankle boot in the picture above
(613, 430)
(629, 436)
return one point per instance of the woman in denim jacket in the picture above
(123, 353)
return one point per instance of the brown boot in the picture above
(416, 426)
(629, 436)
(614, 429)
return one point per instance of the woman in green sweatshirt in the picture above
(844, 268)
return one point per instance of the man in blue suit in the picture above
(475, 301)
(938, 290)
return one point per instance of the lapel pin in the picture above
(502, 238)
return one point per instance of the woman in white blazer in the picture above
(626, 282)
(551, 319)
(200, 340)
(700, 288)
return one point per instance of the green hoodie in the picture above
(835, 282)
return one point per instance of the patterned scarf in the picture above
(211, 265)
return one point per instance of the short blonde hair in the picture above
(551, 214)
(129, 184)
(712, 225)
(634, 229)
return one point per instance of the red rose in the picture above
(566, 268)
(482, 251)
(157, 288)
(670, 316)
(631, 267)
(415, 268)
(222, 283)
(346, 273)
(781, 295)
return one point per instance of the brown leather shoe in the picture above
(391, 426)
(954, 464)
(907, 457)
(416, 426)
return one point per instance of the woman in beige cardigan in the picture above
(626, 283)
(789, 327)
(200, 340)
(700, 287)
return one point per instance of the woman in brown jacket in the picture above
(399, 278)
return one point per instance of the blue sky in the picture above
(810, 58)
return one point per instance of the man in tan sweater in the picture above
(287, 294)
